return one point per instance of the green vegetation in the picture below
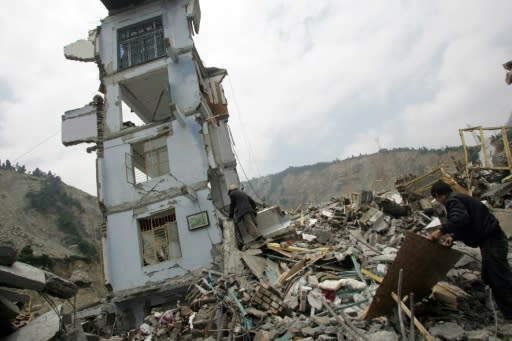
(26, 255)
(423, 150)
(53, 199)
(17, 167)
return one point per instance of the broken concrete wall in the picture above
(177, 19)
(188, 163)
(222, 160)
(79, 125)
(184, 84)
(162, 89)
(123, 236)
(113, 109)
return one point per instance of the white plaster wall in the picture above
(178, 30)
(113, 109)
(184, 84)
(126, 270)
(188, 163)
(187, 154)
(81, 128)
(222, 143)
(115, 187)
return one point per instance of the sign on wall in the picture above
(198, 220)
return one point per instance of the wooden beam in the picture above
(417, 323)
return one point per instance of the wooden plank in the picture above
(294, 269)
(371, 275)
(417, 323)
(297, 268)
(280, 251)
(424, 263)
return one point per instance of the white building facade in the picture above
(162, 181)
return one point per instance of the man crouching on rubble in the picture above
(243, 210)
(471, 222)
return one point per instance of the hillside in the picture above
(319, 182)
(23, 225)
(61, 223)
(53, 226)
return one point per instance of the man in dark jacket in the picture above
(470, 221)
(243, 210)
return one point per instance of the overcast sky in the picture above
(309, 81)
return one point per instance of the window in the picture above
(159, 238)
(140, 43)
(148, 160)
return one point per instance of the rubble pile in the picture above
(341, 275)
(16, 320)
(320, 284)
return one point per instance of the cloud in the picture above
(308, 81)
(326, 80)
(6, 96)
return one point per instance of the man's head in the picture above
(232, 187)
(440, 191)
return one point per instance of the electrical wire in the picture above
(36, 146)
(244, 134)
(245, 174)
(247, 142)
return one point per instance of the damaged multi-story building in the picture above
(161, 183)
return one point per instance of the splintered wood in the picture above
(423, 262)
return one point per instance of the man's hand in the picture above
(448, 241)
(436, 235)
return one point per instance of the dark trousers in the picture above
(496, 270)
(249, 221)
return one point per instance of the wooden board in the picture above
(424, 263)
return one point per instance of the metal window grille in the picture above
(140, 43)
(160, 239)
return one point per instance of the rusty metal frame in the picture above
(423, 262)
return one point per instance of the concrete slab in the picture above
(23, 276)
(43, 328)
(271, 224)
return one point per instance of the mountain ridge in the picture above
(317, 183)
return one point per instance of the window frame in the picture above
(159, 238)
(152, 40)
(133, 160)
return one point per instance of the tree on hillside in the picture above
(52, 198)
(37, 172)
(7, 165)
(20, 168)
